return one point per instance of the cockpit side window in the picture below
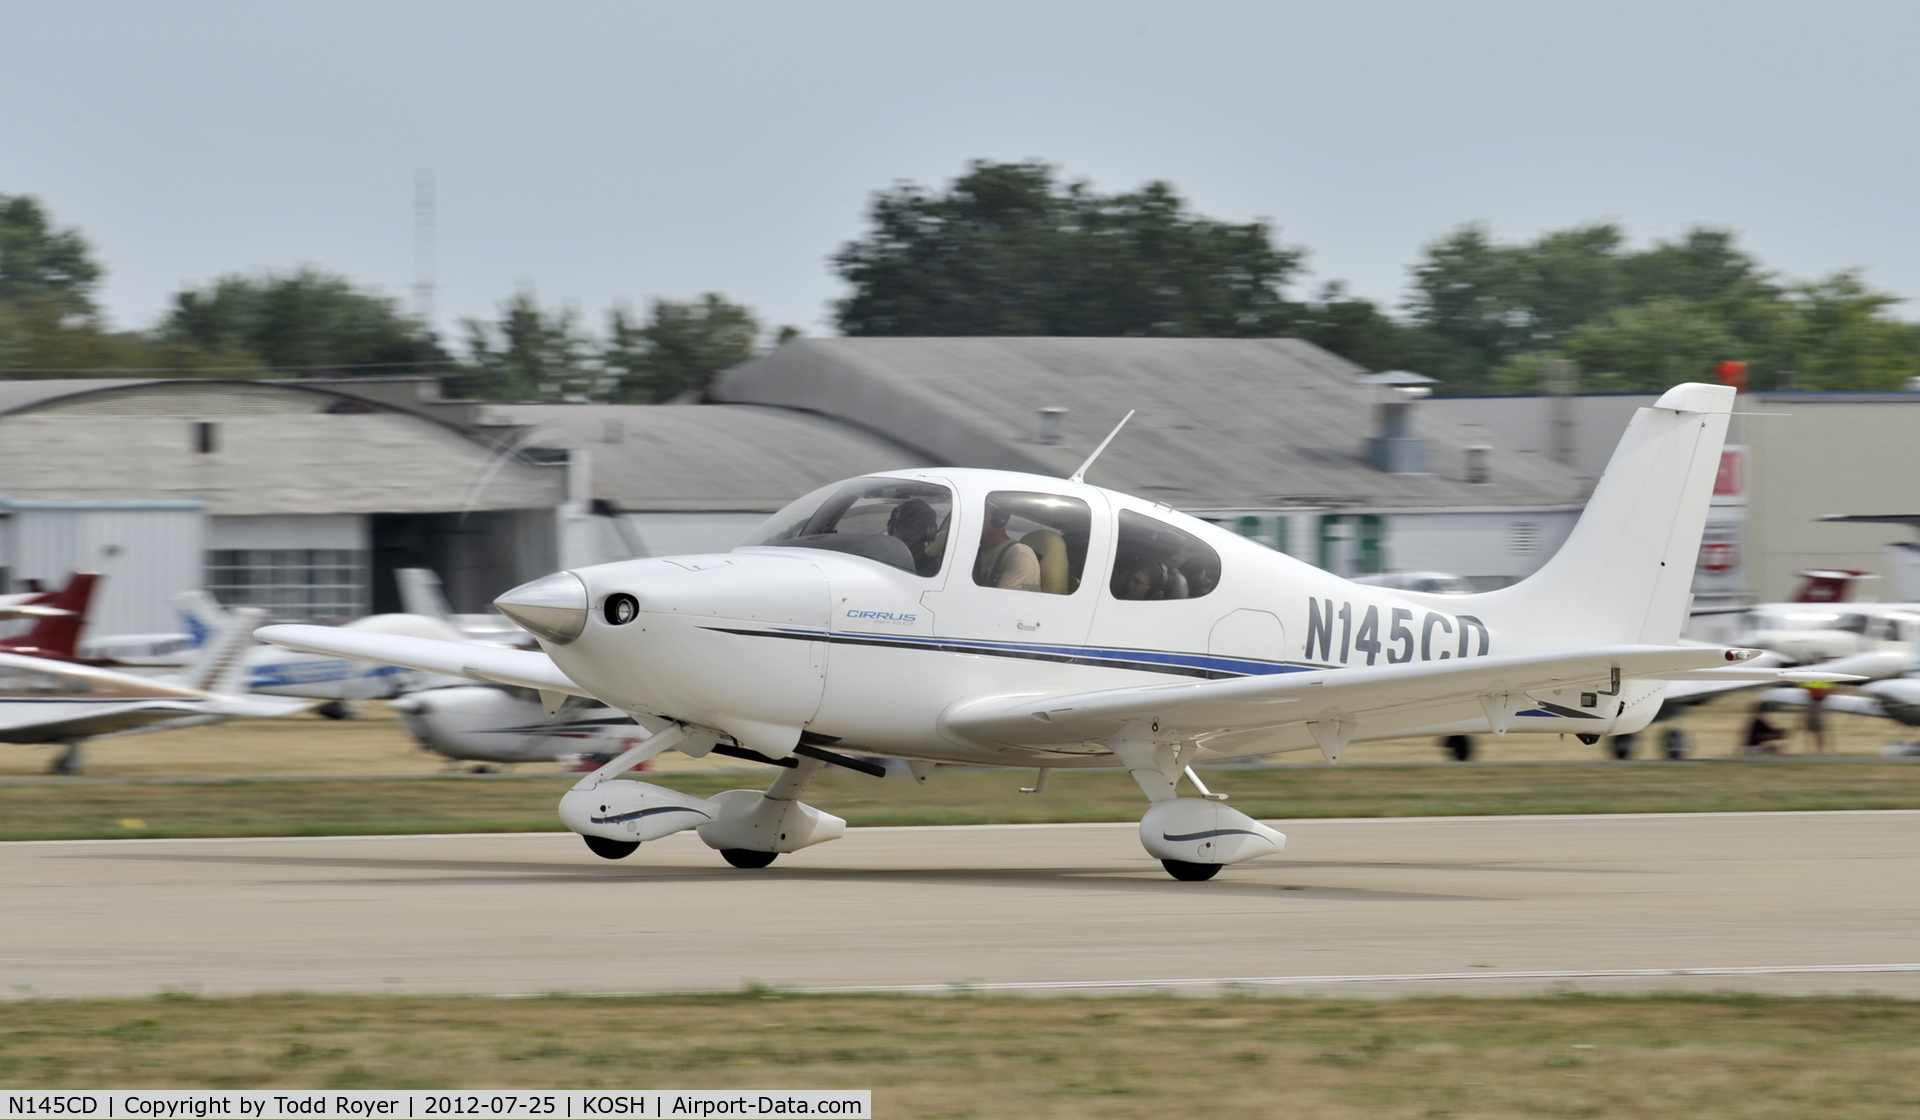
(1032, 541)
(898, 522)
(1154, 560)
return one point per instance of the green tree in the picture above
(1357, 330)
(1844, 340)
(42, 266)
(532, 354)
(1008, 250)
(1650, 347)
(679, 348)
(306, 322)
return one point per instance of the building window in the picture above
(291, 584)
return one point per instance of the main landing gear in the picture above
(1192, 837)
(747, 857)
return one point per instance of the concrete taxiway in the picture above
(1791, 902)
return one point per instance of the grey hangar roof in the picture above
(1220, 424)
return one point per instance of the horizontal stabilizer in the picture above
(492, 664)
(1179, 711)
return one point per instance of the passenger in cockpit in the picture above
(1145, 579)
(1004, 562)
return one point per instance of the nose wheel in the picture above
(746, 857)
(611, 849)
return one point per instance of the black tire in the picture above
(1621, 746)
(747, 857)
(335, 709)
(1190, 872)
(611, 849)
(1675, 743)
(1458, 747)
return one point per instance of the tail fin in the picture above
(59, 636)
(421, 593)
(1626, 572)
(222, 664)
(201, 614)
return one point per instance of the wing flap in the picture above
(1246, 703)
(492, 664)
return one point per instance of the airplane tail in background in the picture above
(59, 636)
(201, 615)
(221, 666)
(422, 594)
(1625, 575)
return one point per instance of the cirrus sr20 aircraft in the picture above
(983, 616)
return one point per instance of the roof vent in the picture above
(1393, 447)
(1051, 421)
(1479, 466)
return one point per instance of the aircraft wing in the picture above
(492, 664)
(120, 719)
(1185, 710)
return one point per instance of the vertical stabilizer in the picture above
(422, 594)
(1626, 573)
(59, 636)
(201, 614)
(222, 664)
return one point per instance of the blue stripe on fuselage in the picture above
(1148, 660)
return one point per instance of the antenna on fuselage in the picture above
(1081, 474)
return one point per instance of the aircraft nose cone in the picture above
(554, 607)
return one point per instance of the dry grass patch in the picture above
(85, 810)
(1693, 1056)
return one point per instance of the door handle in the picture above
(1028, 625)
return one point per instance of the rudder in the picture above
(1625, 573)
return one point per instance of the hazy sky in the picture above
(605, 151)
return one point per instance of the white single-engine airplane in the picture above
(990, 617)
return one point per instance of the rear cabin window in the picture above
(1154, 560)
(898, 522)
(1033, 542)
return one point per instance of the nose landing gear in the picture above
(747, 857)
(611, 849)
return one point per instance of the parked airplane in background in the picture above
(1903, 557)
(272, 671)
(421, 594)
(49, 701)
(1436, 583)
(58, 617)
(991, 617)
(1894, 696)
(494, 723)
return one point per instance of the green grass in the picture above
(1706, 1056)
(34, 811)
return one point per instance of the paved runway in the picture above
(1793, 902)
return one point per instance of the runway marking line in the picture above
(1281, 821)
(1380, 978)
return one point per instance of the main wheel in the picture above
(1190, 872)
(611, 849)
(1621, 746)
(747, 857)
(1675, 743)
(1458, 747)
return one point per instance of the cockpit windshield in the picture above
(899, 522)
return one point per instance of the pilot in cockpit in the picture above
(1003, 561)
(916, 525)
